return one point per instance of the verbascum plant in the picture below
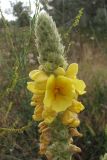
(55, 89)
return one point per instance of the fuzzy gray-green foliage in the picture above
(60, 138)
(48, 41)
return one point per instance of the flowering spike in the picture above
(55, 91)
(48, 41)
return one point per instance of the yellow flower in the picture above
(38, 76)
(36, 88)
(70, 118)
(39, 84)
(71, 73)
(76, 106)
(38, 113)
(72, 70)
(59, 93)
(37, 99)
(49, 115)
(78, 84)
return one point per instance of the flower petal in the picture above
(33, 87)
(75, 123)
(38, 113)
(59, 71)
(64, 99)
(80, 86)
(38, 76)
(61, 103)
(32, 74)
(70, 118)
(49, 115)
(49, 94)
(72, 70)
(38, 99)
(76, 106)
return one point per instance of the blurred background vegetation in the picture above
(83, 27)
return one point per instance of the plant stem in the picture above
(60, 137)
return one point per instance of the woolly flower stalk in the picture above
(50, 48)
(55, 88)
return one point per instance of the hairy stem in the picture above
(60, 138)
